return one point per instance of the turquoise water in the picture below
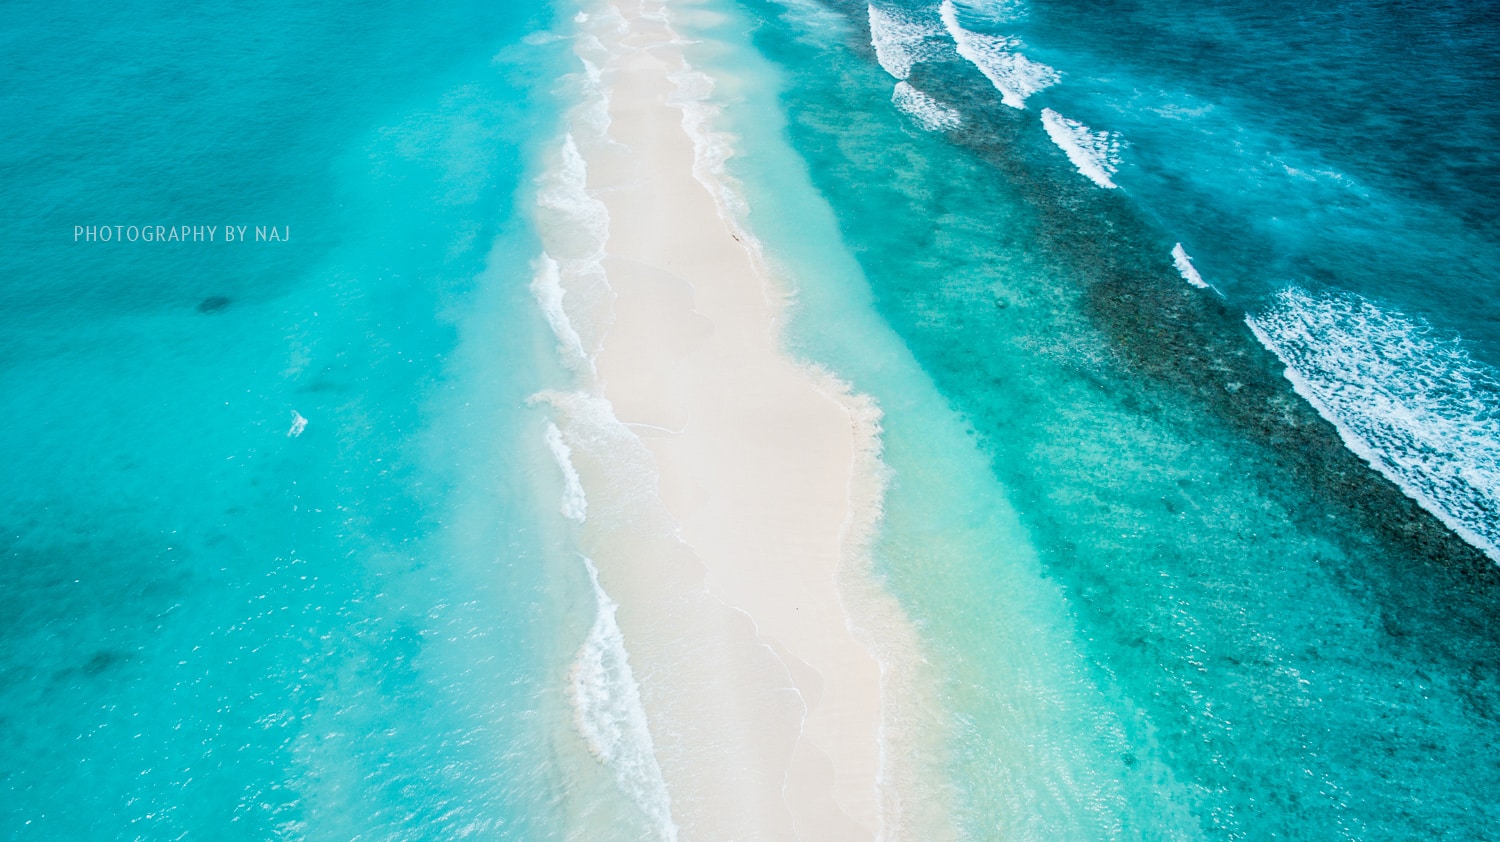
(215, 628)
(1274, 640)
(1159, 595)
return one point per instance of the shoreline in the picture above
(731, 491)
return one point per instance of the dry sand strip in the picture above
(728, 497)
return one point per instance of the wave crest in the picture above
(928, 112)
(1014, 75)
(575, 504)
(1410, 401)
(1095, 154)
(611, 716)
(900, 42)
(1186, 268)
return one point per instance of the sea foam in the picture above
(611, 716)
(575, 504)
(928, 112)
(712, 149)
(1186, 268)
(579, 221)
(1095, 154)
(546, 287)
(609, 712)
(1410, 401)
(1014, 75)
(593, 103)
(900, 42)
(575, 226)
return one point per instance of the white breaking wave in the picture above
(565, 192)
(546, 287)
(1015, 76)
(928, 112)
(712, 150)
(593, 105)
(609, 712)
(575, 226)
(575, 504)
(595, 436)
(298, 425)
(1410, 401)
(1095, 154)
(1186, 268)
(611, 716)
(591, 71)
(900, 42)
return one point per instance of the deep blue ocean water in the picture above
(1352, 144)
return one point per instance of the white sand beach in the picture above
(730, 489)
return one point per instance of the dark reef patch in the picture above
(101, 661)
(1325, 607)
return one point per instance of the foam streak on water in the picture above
(565, 192)
(572, 289)
(712, 150)
(1014, 75)
(1185, 266)
(1410, 401)
(546, 287)
(900, 42)
(611, 716)
(575, 505)
(609, 711)
(1095, 154)
(575, 226)
(928, 112)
